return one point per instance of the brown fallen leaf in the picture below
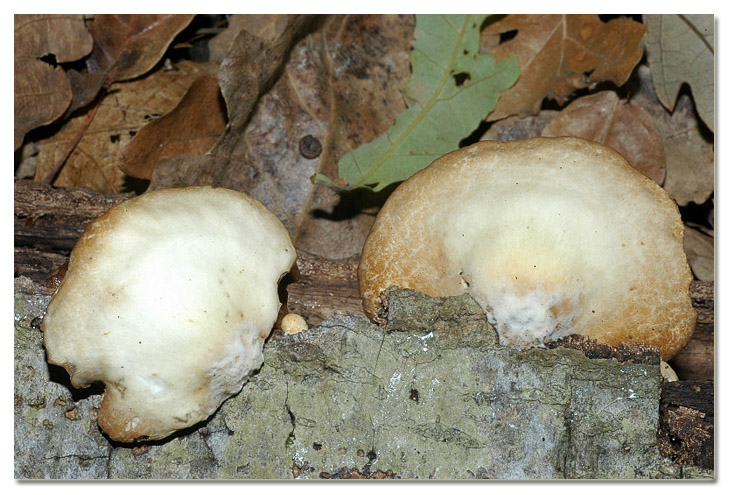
(681, 48)
(624, 126)
(343, 86)
(559, 54)
(129, 45)
(268, 27)
(517, 127)
(340, 86)
(700, 249)
(249, 70)
(130, 105)
(125, 46)
(690, 152)
(690, 155)
(191, 128)
(42, 89)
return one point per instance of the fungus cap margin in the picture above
(167, 300)
(551, 236)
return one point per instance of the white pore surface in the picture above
(170, 306)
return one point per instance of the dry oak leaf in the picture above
(341, 85)
(265, 26)
(681, 48)
(248, 71)
(191, 128)
(127, 107)
(42, 89)
(559, 54)
(250, 68)
(624, 126)
(125, 46)
(690, 156)
(689, 147)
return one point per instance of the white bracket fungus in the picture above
(551, 236)
(167, 300)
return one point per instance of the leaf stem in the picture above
(424, 109)
(51, 175)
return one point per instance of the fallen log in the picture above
(48, 222)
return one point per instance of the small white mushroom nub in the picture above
(293, 323)
(551, 236)
(167, 300)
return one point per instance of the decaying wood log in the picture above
(323, 287)
(51, 219)
(47, 223)
(687, 418)
(697, 360)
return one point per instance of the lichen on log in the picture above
(433, 397)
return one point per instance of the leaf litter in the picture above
(42, 89)
(681, 49)
(559, 54)
(343, 81)
(121, 115)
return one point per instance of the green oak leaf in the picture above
(453, 87)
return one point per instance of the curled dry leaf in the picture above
(624, 126)
(42, 89)
(558, 54)
(248, 71)
(128, 106)
(125, 46)
(191, 128)
(266, 26)
(341, 85)
(681, 48)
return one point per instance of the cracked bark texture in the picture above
(433, 396)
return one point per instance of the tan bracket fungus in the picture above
(167, 300)
(551, 236)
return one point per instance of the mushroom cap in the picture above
(167, 299)
(551, 236)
